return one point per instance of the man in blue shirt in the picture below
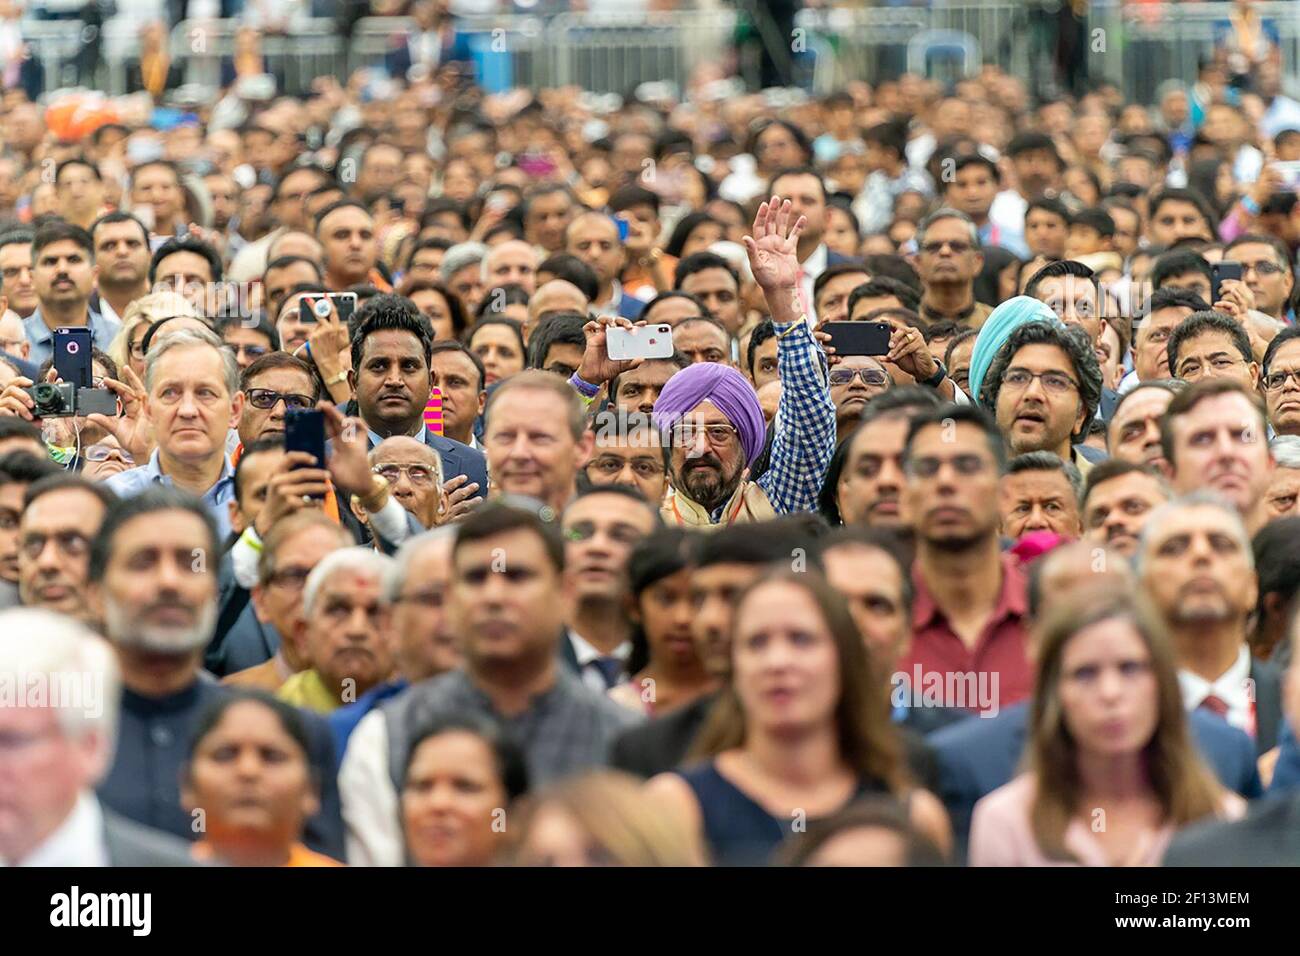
(64, 273)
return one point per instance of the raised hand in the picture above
(131, 426)
(772, 247)
(597, 367)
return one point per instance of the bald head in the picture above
(558, 295)
(414, 474)
(512, 262)
(1070, 567)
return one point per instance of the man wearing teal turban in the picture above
(997, 328)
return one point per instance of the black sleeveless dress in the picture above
(738, 830)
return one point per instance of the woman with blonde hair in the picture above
(603, 818)
(127, 347)
(1112, 771)
(803, 730)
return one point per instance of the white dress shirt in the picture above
(79, 840)
(1232, 687)
(587, 655)
(812, 267)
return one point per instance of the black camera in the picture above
(64, 400)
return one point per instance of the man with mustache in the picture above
(1133, 434)
(968, 616)
(153, 583)
(1166, 310)
(18, 472)
(717, 424)
(1214, 436)
(1040, 492)
(346, 629)
(1117, 501)
(1195, 561)
(1280, 379)
(1045, 385)
(60, 517)
(63, 275)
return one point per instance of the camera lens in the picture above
(322, 308)
(47, 396)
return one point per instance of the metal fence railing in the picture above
(1137, 46)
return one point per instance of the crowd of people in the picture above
(1018, 589)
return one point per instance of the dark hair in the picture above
(682, 231)
(389, 312)
(260, 325)
(942, 329)
(279, 360)
(1095, 218)
(433, 242)
(510, 324)
(496, 518)
(1185, 402)
(880, 265)
(108, 219)
(1050, 205)
(882, 286)
(839, 269)
(291, 722)
(498, 297)
(511, 764)
(24, 468)
(798, 171)
(58, 231)
(154, 500)
(882, 539)
(1199, 323)
(567, 266)
(1073, 341)
(1289, 334)
(454, 307)
(1191, 196)
(324, 178)
(678, 358)
(11, 426)
(755, 544)
(77, 161)
(66, 480)
(1028, 142)
(869, 813)
(538, 190)
(186, 243)
(20, 236)
(965, 160)
(631, 196)
(261, 446)
(1048, 461)
(561, 328)
(1277, 562)
(801, 140)
(987, 283)
(336, 206)
(1172, 296)
(889, 135)
(698, 262)
(1112, 468)
(1277, 245)
(1175, 263)
(1059, 269)
(949, 414)
(762, 332)
(281, 262)
(451, 345)
(674, 294)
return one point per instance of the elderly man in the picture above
(1283, 494)
(346, 630)
(948, 260)
(1118, 499)
(462, 272)
(1212, 345)
(511, 262)
(157, 595)
(1044, 385)
(18, 471)
(1165, 312)
(1040, 492)
(536, 438)
(64, 746)
(555, 296)
(413, 471)
(1280, 379)
(713, 414)
(1195, 561)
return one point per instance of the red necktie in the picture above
(1215, 705)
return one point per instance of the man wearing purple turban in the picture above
(714, 418)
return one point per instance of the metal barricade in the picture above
(54, 45)
(315, 49)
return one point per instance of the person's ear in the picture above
(237, 523)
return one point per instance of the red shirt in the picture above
(993, 674)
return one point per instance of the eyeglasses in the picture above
(420, 475)
(611, 467)
(1275, 381)
(252, 351)
(104, 452)
(1058, 383)
(291, 579)
(1264, 268)
(265, 398)
(716, 434)
(72, 544)
(562, 370)
(936, 246)
(869, 376)
(966, 465)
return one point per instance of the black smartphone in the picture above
(72, 356)
(1220, 271)
(316, 308)
(304, 430)
(859, 338)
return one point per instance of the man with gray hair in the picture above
(461, 271)
(511, 262)
(64, 738)
(948, 259)
(1040, 492)
(424, 644)
(1194, 560)
(413, 471)
(1283, 492)
(346, 628)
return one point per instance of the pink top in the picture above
(1001, 835)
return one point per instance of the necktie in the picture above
(611, 669)
(1215, 705)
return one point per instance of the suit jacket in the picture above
(662, 744)
(248, 643)
(130, 844)
(457, 459)
(1267, 679)
(834, 258)
(981, 754)
(1268, 836)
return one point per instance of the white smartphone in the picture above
(639, 342)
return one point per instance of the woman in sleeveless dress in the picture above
(803, 730)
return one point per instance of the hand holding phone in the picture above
(304, 430)
(859, 338)
(639, 342)
(1227, 269)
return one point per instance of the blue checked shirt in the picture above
(102, 331)
(804, 438)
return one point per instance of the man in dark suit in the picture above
(391, 379)
(1195, 561)
(52, 816)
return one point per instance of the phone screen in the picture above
(304, 430)
(1227, 269)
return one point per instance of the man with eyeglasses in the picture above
(61, 516)
(948, 260)
(249, 340)
(272, 385)
(1212, 345)
(629, 451)
(969, 611)
(1044, 386)
(18, 471)
(1266, 270)
(1281, 381)
(855, 381)
(601, 526)
(714, 417)
(16, 276)
(413, 471)
(1166, 310)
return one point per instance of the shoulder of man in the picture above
(133, 844)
